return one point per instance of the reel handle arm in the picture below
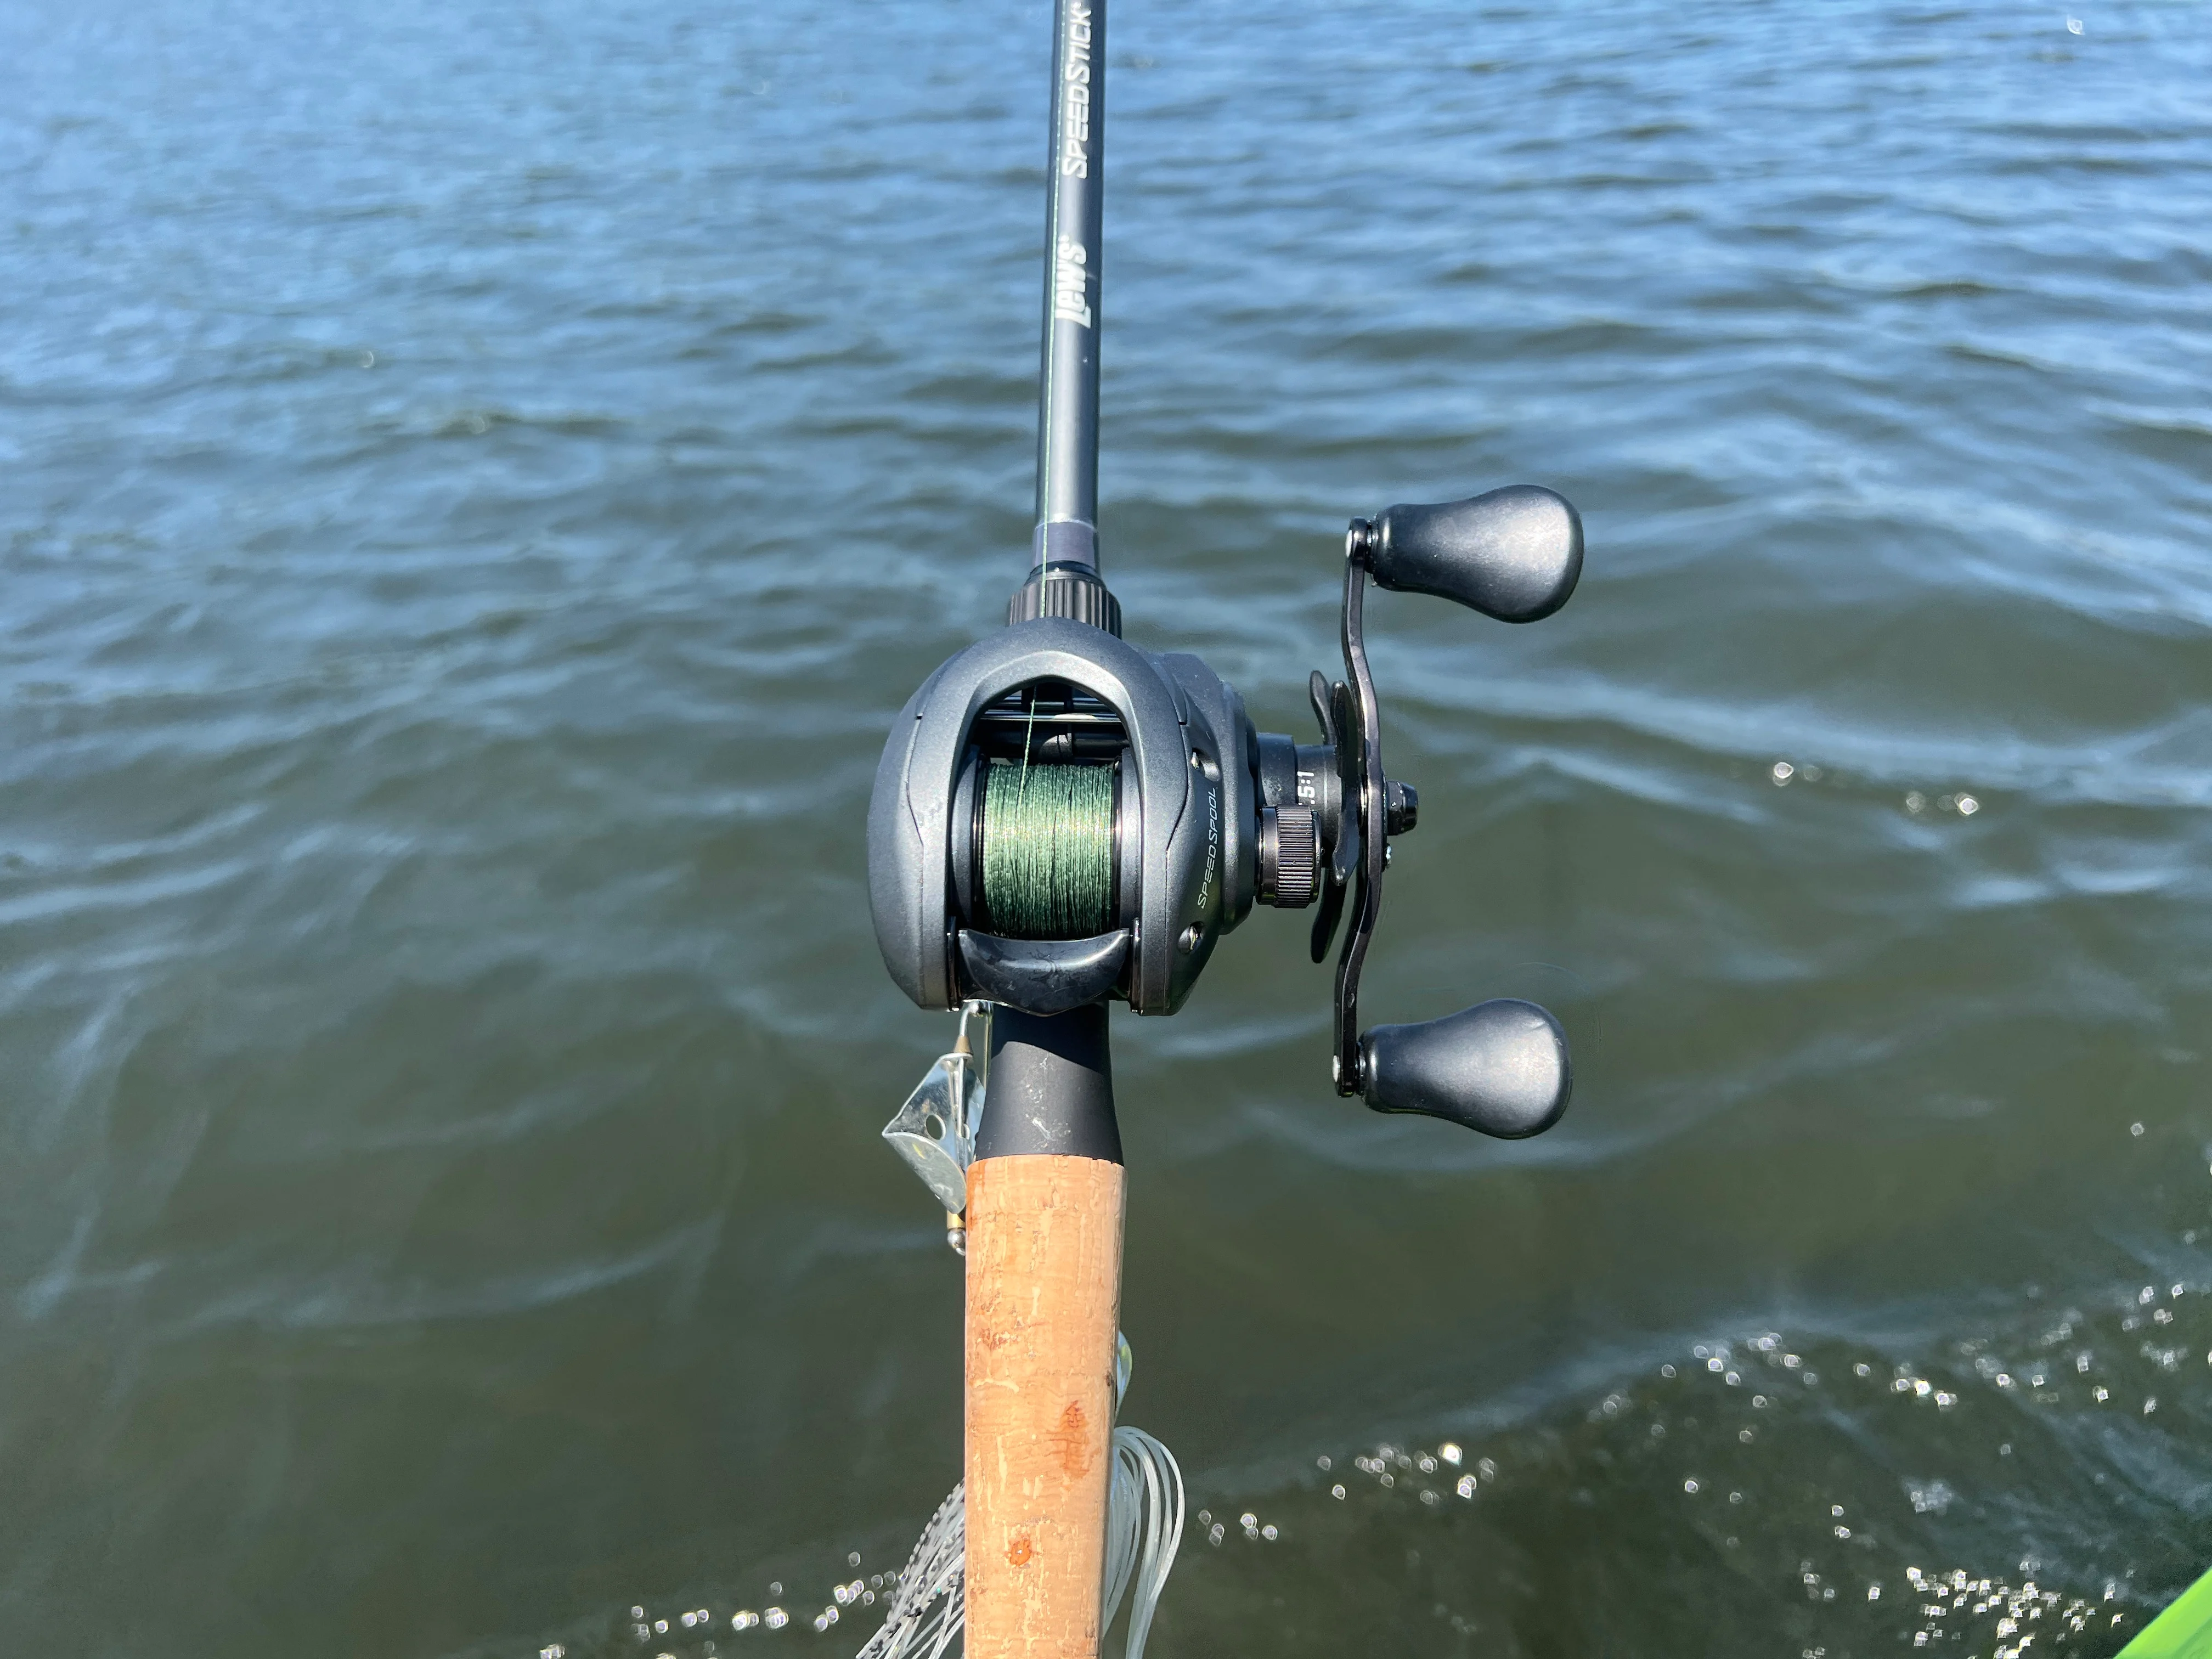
(1502, 1067)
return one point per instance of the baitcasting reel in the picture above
(1060, 818)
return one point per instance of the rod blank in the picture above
(1067, 404)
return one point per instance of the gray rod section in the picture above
(1067, 399)
(1051, 1087)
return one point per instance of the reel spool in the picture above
(1052, 779)
(1060, 818)
(1044, 839)
(1045, 820)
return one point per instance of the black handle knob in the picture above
(1514, 554)
(1500, 1067)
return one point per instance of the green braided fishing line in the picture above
(1048, 849)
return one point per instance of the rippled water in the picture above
(478, 484)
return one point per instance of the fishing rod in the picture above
(1062, 820)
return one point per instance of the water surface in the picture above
(479, 481)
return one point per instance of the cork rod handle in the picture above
(1044, 1291)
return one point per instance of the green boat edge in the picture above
(2184, 1631)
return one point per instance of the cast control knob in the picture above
(1290, 857)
